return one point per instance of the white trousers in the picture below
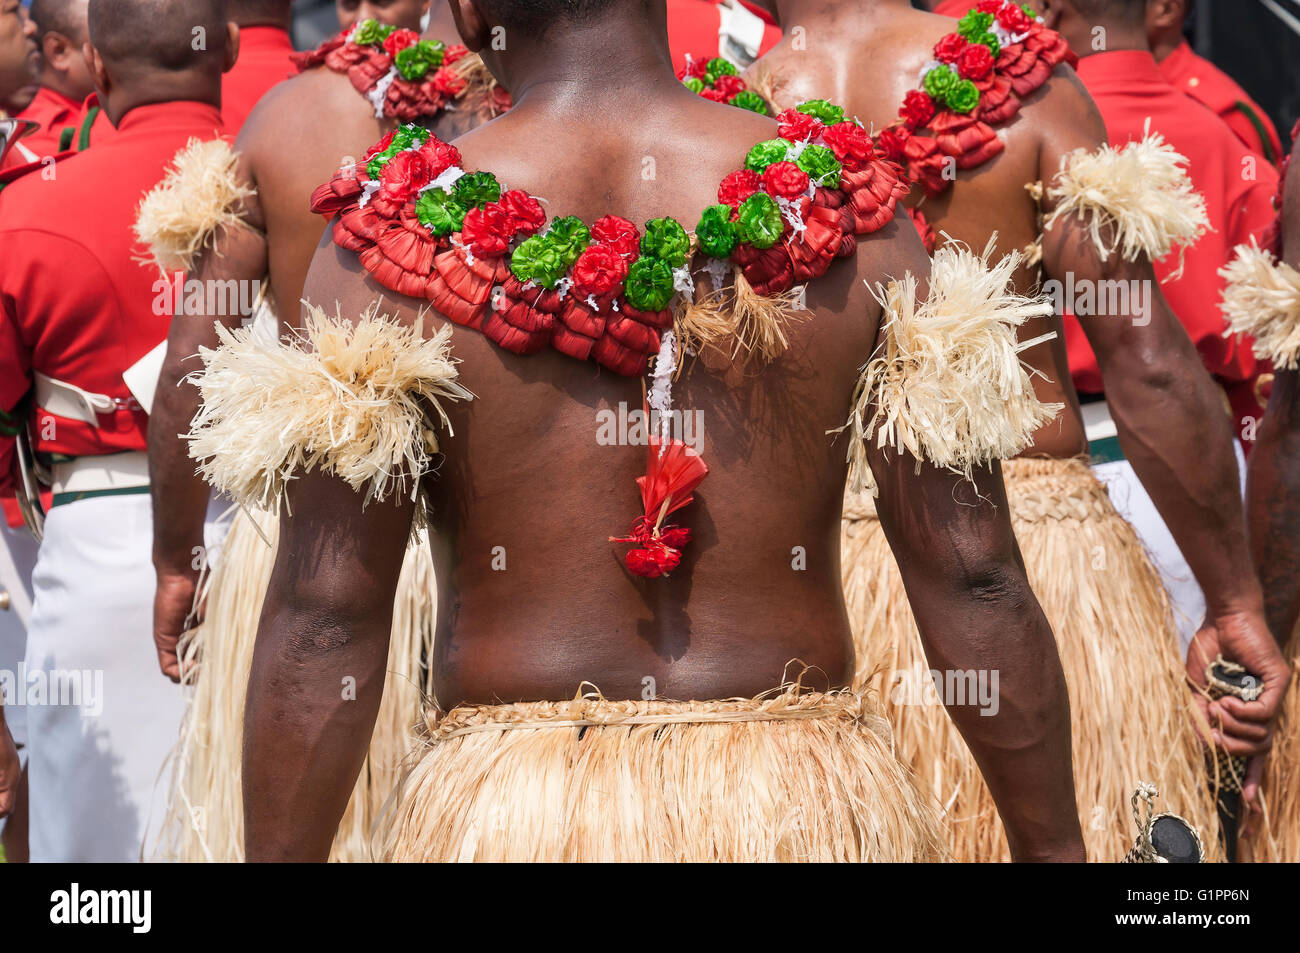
(109, 718)
(17, 557)
(1136, 506)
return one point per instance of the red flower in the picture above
(598, 270)
(618, 233)
(1013, 19)
(918, 109)
(653, 561)
(487, 231)
(850, 143)
(975, 62)
(716, 95)
(448, 82)
(380, 146)
(738, 186)
(440, 155)
(785, 179)
(453, 53)
(799, 127)
(675, 536)
(729, 85)
(893, 141)
(694, 66)
(524, 210)
(399, 40)
(949, 48)
(403, 176)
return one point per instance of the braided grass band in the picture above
(1225, 679)
(591, 710)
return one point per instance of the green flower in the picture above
(404, 138)
(665, 238)
(760, 221)
(440, 212)
(823, 109)
(372, 32)
(649, 285)
(991, 41)
(415, 61)
(716, 232)
(694, 84)
(765, 153)
(718, 67)
(538, 260)
(962, 97)
(568, 236)
(1029, 11)
(974, 25)
(477, 189)
(821, 165)
(748, 99)
(939, 80)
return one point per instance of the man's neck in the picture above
(1118, 39)
(58, 83)
(846, 15)
(1162, 46)
(577, 65)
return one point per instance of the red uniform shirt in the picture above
(1207, 84)
(693, 28)
(1129, 89)
(263, 62)
(55, 112)
(76, 304)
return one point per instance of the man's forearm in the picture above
(1175, 434)
(179, 495)
(313, 695)
(1273, 505)
(1023, 750)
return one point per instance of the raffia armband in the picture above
(946, 383)
(355, 400)
(1142, 191)
(1262, 301)
(200, 195)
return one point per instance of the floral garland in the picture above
(404, 77)
(978, 78)
(719, 80)
(486, 258)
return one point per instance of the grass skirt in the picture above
(789, 777)
(1130, 708)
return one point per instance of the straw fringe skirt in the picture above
(205, 819)
(1277, 835)
(1130, 710)
(792, 777)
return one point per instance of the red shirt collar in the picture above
(52, 101)
(1179, 62)
(1128, 71)
(183, 112)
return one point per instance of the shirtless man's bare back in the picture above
(536, 601)
(869, 56)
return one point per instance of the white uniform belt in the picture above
(68, 400)
(113, 471)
